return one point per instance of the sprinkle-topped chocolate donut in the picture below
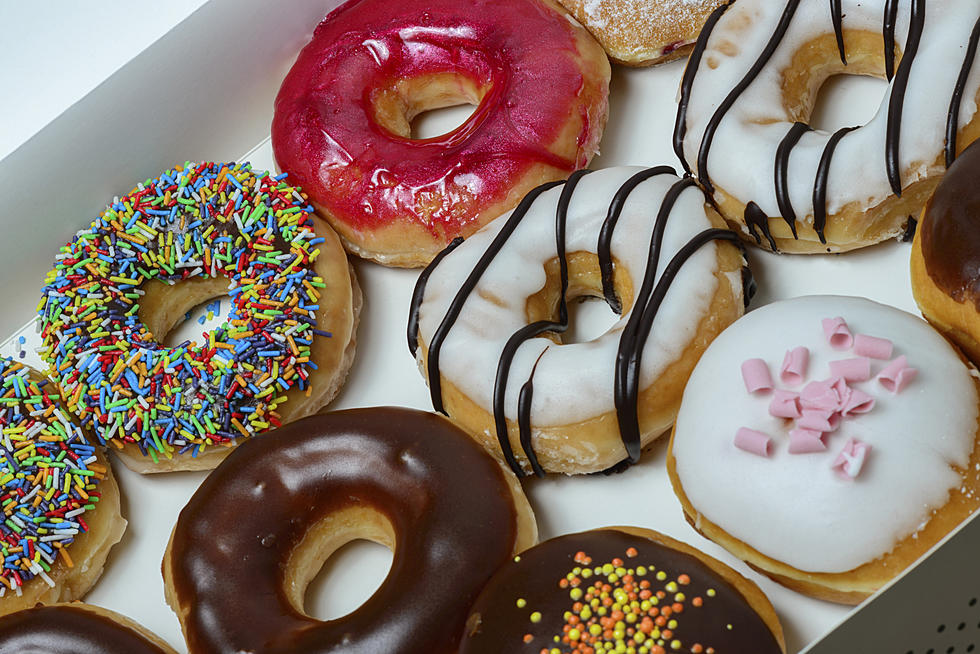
(260, 526)
(630, 589)
(74, 628)
(213, 228)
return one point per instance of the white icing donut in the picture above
(573, 383)
(737, 105)
(794, 508)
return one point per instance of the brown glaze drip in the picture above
(950, 230)
(447, 501)
(497, 624)
(69, 630)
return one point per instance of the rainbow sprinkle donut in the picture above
(114, 292)
(51, 481)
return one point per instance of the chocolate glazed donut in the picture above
(72, 628)
(261, 525)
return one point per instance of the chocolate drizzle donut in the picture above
(755, 109)
(74, 628)
(668, 597)
(657, 273)
(259, 528)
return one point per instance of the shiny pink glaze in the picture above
(324, 134)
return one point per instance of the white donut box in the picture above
(205, 90)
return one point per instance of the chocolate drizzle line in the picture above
(712, 126)
(888, 36)
(530, 331)
(419, 292)
(838, 18)
(635, 333)
(757, 221)
(782, 165)
(630, 353)
(435, 347)
(896, 100)
(820, 182)
(604, 246)
(693, 62)
(953, 119)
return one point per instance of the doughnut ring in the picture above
(750, 87)
(194, 233)
(487, 316)
(406, 479)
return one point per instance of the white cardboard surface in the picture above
(61, 178)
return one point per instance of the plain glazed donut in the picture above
(74, 629)
(749, 90)
(663, 596)
(406, 479)
(60, 501)
(834, 510)
(194, 233)
(342, 126)
(487, 316)
(643, 32)
(945, 263)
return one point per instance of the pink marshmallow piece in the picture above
(843, 391)
(755, 374)
(852, 370)
(858, 402)
(753, 441)
(897, 375)
(820, 395)
(785, 404)
(806, 441)
(837, 333)
(873, 347)
(817, 420)
(851, 459)
(794, 366)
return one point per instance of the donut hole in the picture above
(340, 563)
(164, 308)
(587, 319)
(429, 106)
(818, 89)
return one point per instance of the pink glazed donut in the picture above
(342, 125)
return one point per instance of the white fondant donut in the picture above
(795, 515)
(751, 85)
(465, 314)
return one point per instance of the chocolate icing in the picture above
(447, 501)
(837, 17)
(69, 629)
(497, 624)
(950, 230)
(896, 99)
(634, 336)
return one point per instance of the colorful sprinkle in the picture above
(49, 476)
(620, 609)
(201, 220)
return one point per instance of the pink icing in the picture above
(872, 346)
(324, 133)
(785, 404)
(897, 375)
(755, 374)
(806, 441)
(753, 441)
(794, 366)
(852, 370)
(837, 333)
(851, 459)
